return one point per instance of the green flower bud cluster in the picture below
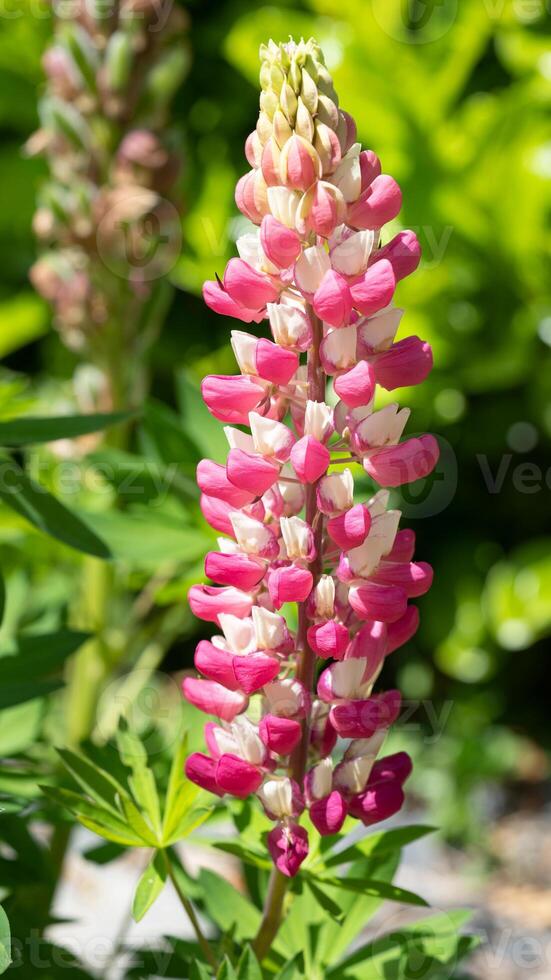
(107, 218)
(298, 97)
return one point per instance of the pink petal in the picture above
(221, 302)
(409, 461)
(349, 530)
(216, 512)
(356, 387)
(216, 664)
(274, 363)
(280, 735)
(236, 776)
(248, 287)
(415, 578)
(386, 603)
(403, 547)
(403, 252)
(375, 289)
(214, 699)
(370, 643)
(207, 602)
(213, 481)
(251, 472)
(281, 245)
(328, 639)
(332, 299)
(408, 362)
(379, 203)
(310, 459)
(254, 670)
(370, 167)
(398, 766)
(245, 197)
(289, 583)
(230, 398)
(329, 814)
(403, 629)
(242, 571)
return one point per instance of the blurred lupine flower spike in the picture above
(320, 269)
(108, 216)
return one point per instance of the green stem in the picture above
(206, 948)
(273, 914)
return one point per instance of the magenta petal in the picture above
(201, 770)
(370, 600)
(221, 302)
(280, 735)
(310, 459)
(217, 513)
(288, 847)
(332, 300)
(289, 583)
(274, 363)
(213, 481)
(251, 472)
(362, 718)
(248, 287)
(214, 699)
(216, 664)
(415, 578)
(403, 252)
(230, 398)
(377, 803)
(349, 530)
(398, 766)
(356, 387)
(370, 167)
(254, 670)
(329, 814)
(281, 245)
(207, 602)
(402, 630)
(236, 776)
(407, 362)
(409, 461)
(379, 203)
(375, 289)
(242, 571)
(403, 548)
(328, 639)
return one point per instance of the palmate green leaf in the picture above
(29, 431)
(377, 889)
(248, 967)
(5, 941)
(255, 857)
(45, 512)
(100, 785)
(377, 844)
(142, 781)
(149, 886)
(137, 822)
(227, 906)
(433, 942)
(39, 654)
(326, 903)
(96, 818)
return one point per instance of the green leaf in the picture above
(24, 318)
(248, 967)
(245, 852)
(200, 972)
(226, 971)
(15, 694)
(94, 817)
(327, 903)
(39, 654)
(378, 844)
(142, 781)
(2, 597)
(49, 515)
(149, 886)
(292, 969)
(29, 430)
(377, 889)
(146, 540)
(137, 822)
(5, 941)
(99, 784)
(227, 906)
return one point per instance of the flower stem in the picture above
(206, 948)
(273, 914)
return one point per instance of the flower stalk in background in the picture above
(107, 217)
(299, 723)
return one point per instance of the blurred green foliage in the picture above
(457, 106)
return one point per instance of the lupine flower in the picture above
(107, 218)
(321, 270)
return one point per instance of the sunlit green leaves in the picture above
(5, 942)
(28, 431)
(149, 886)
